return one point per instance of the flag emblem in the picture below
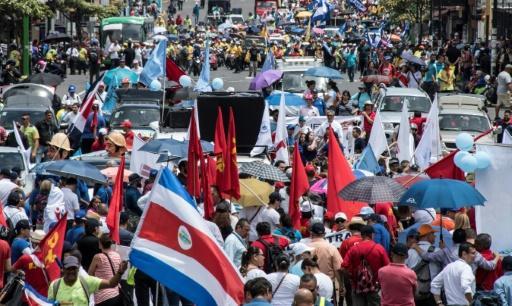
(184, 239)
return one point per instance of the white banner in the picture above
(316, 121)
(494, 184)
(142, 162)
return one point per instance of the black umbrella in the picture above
(373, 189)
(44, 78)
(57, 37)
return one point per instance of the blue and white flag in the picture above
(34, 298)
(269, 63)
(321, 13)
(405, 32)
(155, 66)
(367, 161)
(343, 28)
(358, 5)
(203, 83)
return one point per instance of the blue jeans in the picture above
(351, 71)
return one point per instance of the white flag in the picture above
(281, 134)
(429, 148)
(405, 146)
(265, 136)
(378, 139)
(142, 162)
(25, 151)
(507, 138)
(187, 137)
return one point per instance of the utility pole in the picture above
(493, 23)
(26, 46)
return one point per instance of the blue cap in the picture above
(71, 88)
(153, 173)
(367, 210)
(80, 214)
(290, 127)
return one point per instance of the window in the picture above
(415, 104)
(469, 123)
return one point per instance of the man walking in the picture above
(504, 88)
(397, 281)
(457, 279)
(236, 243)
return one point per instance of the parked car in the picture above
(390, 101)
(463, 113)
(14, 158)
(14, 112)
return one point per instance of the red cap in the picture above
(279, 185)
(310, 168)
(127, 124)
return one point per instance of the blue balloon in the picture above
(217, 83)
(155, 85)
(468, 163)
(457, 159)
(185, 81)
(483, 160)
(464, 142)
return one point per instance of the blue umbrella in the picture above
(324, 72)
(172, 147)
(297, 30)
(77, 169)
(289, 99)
(442, 193)
(40, 169)
(115, 76)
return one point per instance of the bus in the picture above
(262, 7)
(121, 29)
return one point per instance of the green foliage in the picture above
(18, 8)
(412, 10)
(75, 9)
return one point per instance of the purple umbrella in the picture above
(265, 79)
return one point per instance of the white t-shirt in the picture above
(15, 214)
(285, 292)
(285, 203)
(254, 215)
(6, 186)
(414, 79)
(325, 286)
(309, 111)
(504, 79)
(71, 202)
(332, 97)
(254, 273)
(336, 126)
(271, 216)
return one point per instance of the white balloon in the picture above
(185, 81)
(217, 83)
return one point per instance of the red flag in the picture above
(173, 71)
(206, 184)
(298, 186)
(220, 150)
(116, 203)
(212, 170)
(50, 249)
(233, 165)
(446, 168)
(339, 175)
(195, 154)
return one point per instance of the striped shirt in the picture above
(104, 271)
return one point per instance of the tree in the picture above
(76, 10)
(12, 12)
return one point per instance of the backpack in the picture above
(424, 278)
(366, 280)
(83, 283)
(486, 298)
(272, 252)
(93, 56)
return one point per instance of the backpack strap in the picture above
(257, 212)
(85, 287)
(279, 284)
(55, 288)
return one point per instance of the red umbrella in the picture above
(377, 78)
(409, 180)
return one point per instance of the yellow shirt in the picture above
(82, 54)
(190, 52)
(74, 295)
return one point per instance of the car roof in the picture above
(138, 105)
(399, 91)
(28, 100)
(462, 111)
(9, 150)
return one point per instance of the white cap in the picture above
(305, 206)
(340, 215)
(300, 248)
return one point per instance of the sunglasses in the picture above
(24, 118)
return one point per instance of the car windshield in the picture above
(295, 81)
(7, 116)
(11, 160)
(414, 104)
(237, 20)
(132, 31)
(265, 4)
(139, 117)
(469, 123)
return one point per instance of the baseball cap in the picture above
(72, 88)
(365, 211)
(153, 173)
(310, 168)
(305, 206)
(300, 248)
(127, 124)
(340, 215)
(71, 262)
(425, 229)
(275, 196)
(318, 228)
(394, 160)
(308, 96)
(508, 66)
(400, 249)
(80, 215)
(356, 220)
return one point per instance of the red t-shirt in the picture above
(419, 121)
(5, 253)
(34, 276)
(347, 244)
(398, 284)
(386, 209)
(484, 278)
(366, 124)
(129, 139)
(304, 227)
(374, 253)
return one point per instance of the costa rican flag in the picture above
(34, 298)
(173, 245)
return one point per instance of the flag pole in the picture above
(164, 79)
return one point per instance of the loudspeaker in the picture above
(177, 119)
(248, 110)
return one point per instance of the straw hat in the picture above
(37, 235)
(117, 139)
(61, 141)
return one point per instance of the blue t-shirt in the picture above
(350, 59)
(74, 234)
(17, 247)
(431, 73)
(381, 236)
